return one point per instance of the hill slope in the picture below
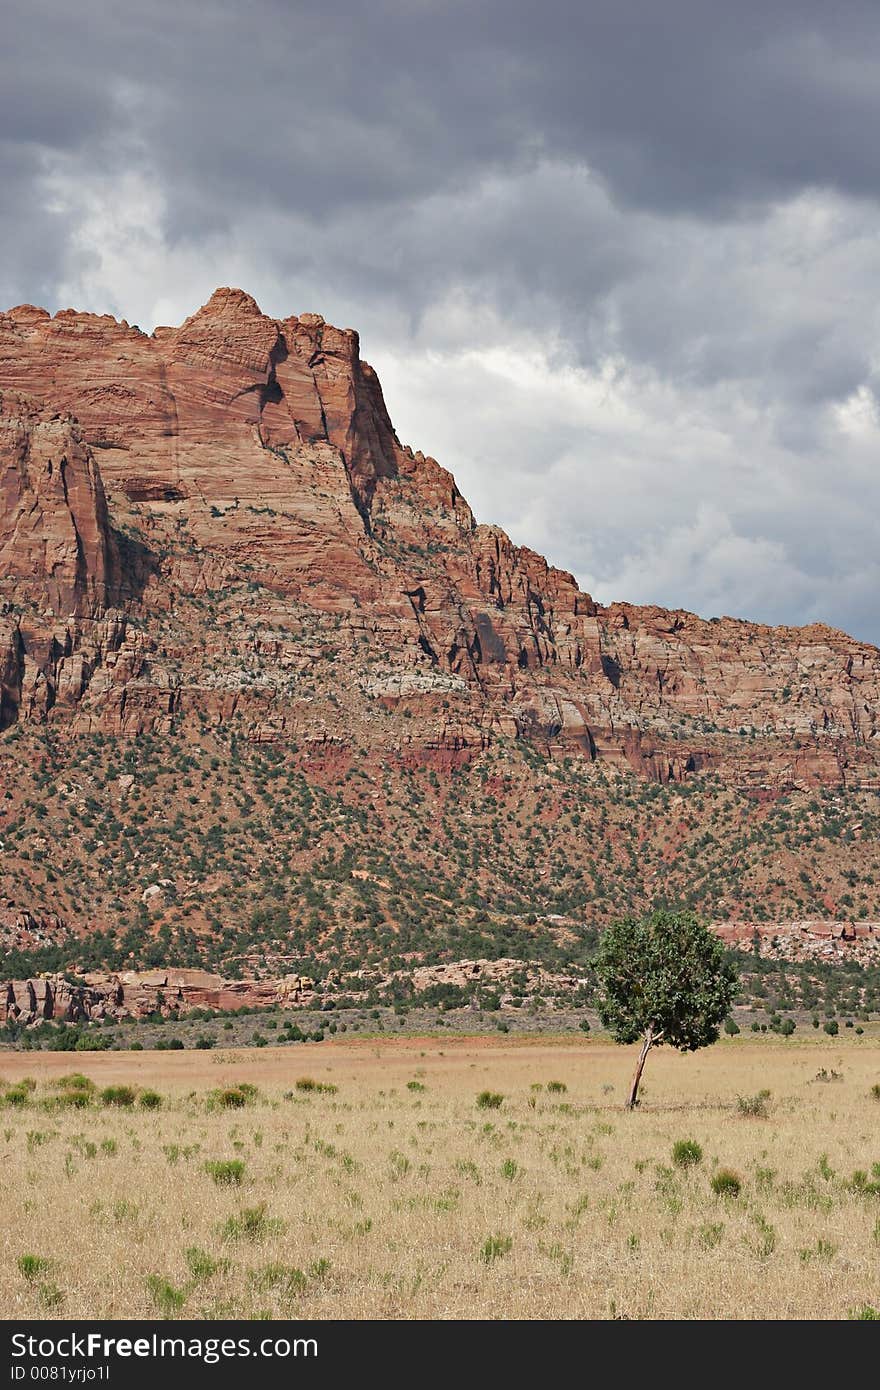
(215, 550)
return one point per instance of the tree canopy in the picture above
(663, 978)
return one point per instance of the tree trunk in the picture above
(632, 1102)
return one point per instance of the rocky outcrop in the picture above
(804, 940)
(133, 994)
(273, 555)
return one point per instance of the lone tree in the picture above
(663, 978)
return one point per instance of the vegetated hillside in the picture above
(268, 693)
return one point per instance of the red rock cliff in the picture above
(271, 553)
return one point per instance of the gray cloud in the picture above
(614, 262)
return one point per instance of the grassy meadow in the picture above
(386, 1179)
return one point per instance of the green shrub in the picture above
(15, 1096)
(726, 1183)
(495, 1247)
(231, 1098)
(30, 1267)
(832, 1028)
(557, 1088)
(118, 1095)
(168, 1299)
(686, 1153)
(75, 1081)
(251, 1224)
(150, 1100)
(489, 1100)
(226, 1172)
(75, 1100)
(754, 1106)
(200, 1263)
(731, 1028)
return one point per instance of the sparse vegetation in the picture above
(380, 1199)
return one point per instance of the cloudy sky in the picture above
(617, 262)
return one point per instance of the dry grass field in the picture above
(397, 1195)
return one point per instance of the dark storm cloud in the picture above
(675, 200)
(680, 105)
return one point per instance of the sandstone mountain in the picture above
(249, 457)
(213, 531)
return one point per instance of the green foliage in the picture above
(30, 1267)
(201, 1265)
(230, 1098)
(123, 1096)
(495, 1247)
(226, 1172)
(150, 1100)
(251, 1224)
(726, 1183)
(489, 1100)
(168, 1299)
(75, 1081)
(322, 1088)
(754, 1106)
(666, 973)
(686, 1153)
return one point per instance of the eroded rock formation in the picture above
(269, 552)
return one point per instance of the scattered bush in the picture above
(30, 1267)
(251, 1224)
(16, 1095)
(726, 1183)
(489, 1100)
(75, 1100)
(118, 1095)
(168, 1299)
(150, 1100)
(686, 1153)
(495, 1247)
(75, 1081)
(201, 1265)
(226, 1172)
(231, 1098)
(557, 1088)
(322, 1088)
(754, 1106)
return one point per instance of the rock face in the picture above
(59, 563)
(269, 552)
(811, 939)
(133, 994)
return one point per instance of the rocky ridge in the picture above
(269, 553)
